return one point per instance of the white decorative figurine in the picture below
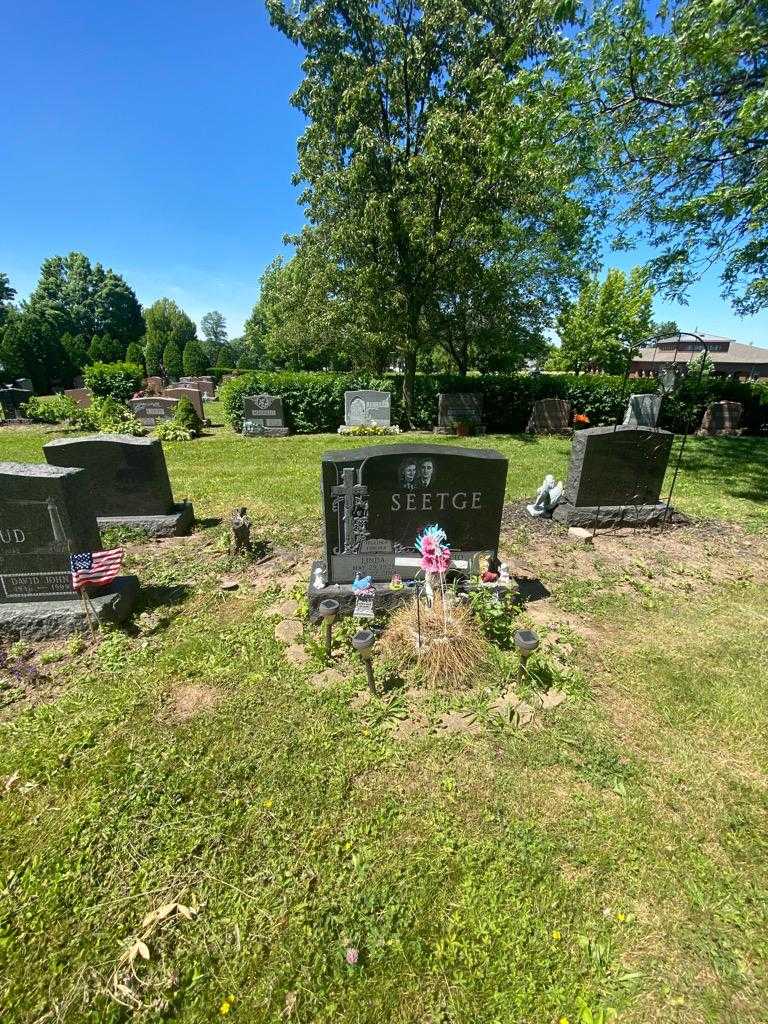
(318, 583)
(504, 578)
(547, 497)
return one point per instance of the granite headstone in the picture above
(193, 394)
(615, 476)
(643, 410)
(154, 385)
(11, 400)
(721, 419)
(457, 410)
(376, 500)
(362, 408)
(80, 396)
(550, 416)
(46, 516)
(128, 481)
(206, 385)
(263, 416)
(153, 409)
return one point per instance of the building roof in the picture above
(685, 347)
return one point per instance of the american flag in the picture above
(97, 567)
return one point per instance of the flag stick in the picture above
(87, 608)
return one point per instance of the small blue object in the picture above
(360, 585)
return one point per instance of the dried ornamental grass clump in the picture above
(444, 642)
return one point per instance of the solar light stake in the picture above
(328, 610)
(362, 642)
(526, 642)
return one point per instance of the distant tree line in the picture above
(80, 314)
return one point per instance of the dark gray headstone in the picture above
(376, 500)
(128, 481)
(25, 383)
(550, 416)
(193, 394)
(643, 410)
(720, 418)
(364, 407)
(11, 400)
(127, 475)
(463, 408)
(45, 516)
(152, 409)
(263, 416)
(615, 477)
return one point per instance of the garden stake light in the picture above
(526, 642)
(363, 642)
(328, 610)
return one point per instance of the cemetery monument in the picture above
(128, 481)
(153, 409)
(615, 476)
(721, 419)
(460, 413)
(377, 499)
(643, 410)
(551, 416)
(46, 516)
(263, 416)
(366, 408)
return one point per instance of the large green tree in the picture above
(89, 299)
(439, 140)
(679, 92)
(214, 328)
(167, 325)
(194, 359)
(30, 346)
(7, 295)
(606, 325)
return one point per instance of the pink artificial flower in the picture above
(351, 956)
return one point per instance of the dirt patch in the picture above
(187, 701)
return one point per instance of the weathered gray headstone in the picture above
(128, 481)
(263, 416)
(378, 499)
(153, 409)
(550, 416)
(615, 476)
(11, 400)
(25, 383)
(643, 410)
(193, 394)
(80, 396)
(721, 419)
(463, 409)
(362, 408)
(46, 516)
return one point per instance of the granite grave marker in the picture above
(362, 408)
(463, 409)
(80, 396)
(46, 516)
(550, 416)
(11, 400)
(615, 476)
(153, 409)
(721, 419)
(206, 385)
(128, 481)
(193, 394)
(643, 410)
(263, 416)
(376, 500)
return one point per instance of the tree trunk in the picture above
(409, 380)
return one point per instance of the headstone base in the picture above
(175, 524)
(41, 620)
(259, 431)
(729, 432)
(612, 515)
(385, 600)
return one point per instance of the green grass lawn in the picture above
(606, 863)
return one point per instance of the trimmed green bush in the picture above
(184, 416)
(314, 402)
(114, 380)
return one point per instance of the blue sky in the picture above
(158, 139)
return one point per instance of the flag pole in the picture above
(87, 608)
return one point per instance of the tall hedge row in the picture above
(314, 402)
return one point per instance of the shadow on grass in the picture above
(163, 596)
(740, 463)
(531, 589)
